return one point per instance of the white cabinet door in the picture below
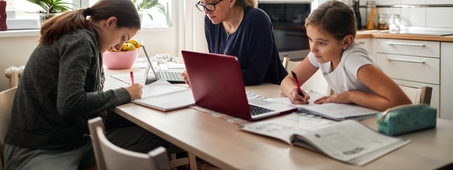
(408, 47)
(421, 69)
(364, 43)
(446, 77)
(412, 63)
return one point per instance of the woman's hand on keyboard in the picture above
(186, 77)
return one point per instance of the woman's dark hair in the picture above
(71, 21)
(334, 17)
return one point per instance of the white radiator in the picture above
(14, 74)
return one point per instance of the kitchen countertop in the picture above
(408, 36)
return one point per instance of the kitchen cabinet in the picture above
(368, 44)
(291, 44)
(412, 63)
(365, 43)
(446, 78)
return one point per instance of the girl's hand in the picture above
(336, 98)
(135, 91)
(295, 98)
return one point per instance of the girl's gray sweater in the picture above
(59, 89)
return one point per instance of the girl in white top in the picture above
(349, 70)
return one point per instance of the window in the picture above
(159, 19)
(22, 9)
(22, 13)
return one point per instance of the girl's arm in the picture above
(303, 71)
(387, 93)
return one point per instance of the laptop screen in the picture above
(217, 84)
(149, 78)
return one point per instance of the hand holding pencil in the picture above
(299, 91)
(300, 97)
(135, 90)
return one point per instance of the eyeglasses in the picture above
(208, 7)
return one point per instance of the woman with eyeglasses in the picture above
(236, 27)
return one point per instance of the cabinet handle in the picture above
(403, 60)
(360, 42)
(406, 44)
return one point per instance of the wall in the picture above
(14, 51)
(430, 15)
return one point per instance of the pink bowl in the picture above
(120, 59)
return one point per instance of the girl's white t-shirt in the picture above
(344, 77)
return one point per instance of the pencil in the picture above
(132, 77)
(297, 84)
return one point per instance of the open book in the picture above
(347, 141)
(333, 111)
(164, 96)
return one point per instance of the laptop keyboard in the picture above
(256, 110)
(171, 76)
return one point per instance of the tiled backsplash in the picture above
(433, 15)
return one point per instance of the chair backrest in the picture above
(111, 157)
(288, 64)
(418, 95)
(6, 104)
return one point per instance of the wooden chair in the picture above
(288, 64)
(418, 95)
(6, 104)
(189, 160)
(111, 157)
(316, 82)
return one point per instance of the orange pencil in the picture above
(370, 24)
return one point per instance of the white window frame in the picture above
(27, 25)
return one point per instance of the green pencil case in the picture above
(406, 118)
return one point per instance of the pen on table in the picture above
(132, 77)
(297, 84)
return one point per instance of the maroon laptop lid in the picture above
(217, 84)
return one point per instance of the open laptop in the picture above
(172, 77)
(217, 84)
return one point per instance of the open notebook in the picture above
(164, 96)
(333, 111)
